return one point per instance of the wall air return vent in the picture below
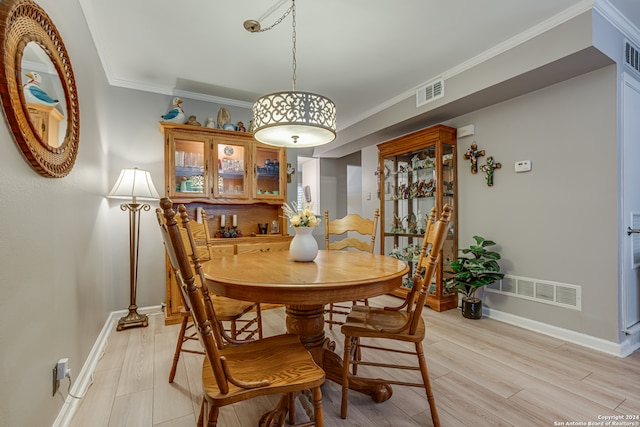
(430, 92)
(543, 291)
(632, 56)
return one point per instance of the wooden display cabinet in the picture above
(418, 172)
(225, 173)
(46, 122)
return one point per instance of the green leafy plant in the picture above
(470, 273)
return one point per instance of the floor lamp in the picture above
(134, 184)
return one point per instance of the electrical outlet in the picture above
(60, 372)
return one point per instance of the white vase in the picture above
(303, 247)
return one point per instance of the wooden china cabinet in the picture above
(236, 180)
(418, 172)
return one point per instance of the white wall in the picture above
(54, 247)
(370, 186)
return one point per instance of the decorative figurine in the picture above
(290, 171)
(192, 121)
(210, 123)
(252, 126)
(224, 118)
(472, 154)
(241, 127)
(489, 168)
(33, 94)
(415, 162)
(176, 113)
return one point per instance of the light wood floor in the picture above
(483, 372)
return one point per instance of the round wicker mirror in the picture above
(41, 107)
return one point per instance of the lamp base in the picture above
(133, 319)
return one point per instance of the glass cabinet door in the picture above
(409, 194)
(190, 165)
(231, 171)
(267, 173)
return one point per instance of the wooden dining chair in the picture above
(236, 372)
(230, 311)
(403, 323)
(335, 239)
(243, 317)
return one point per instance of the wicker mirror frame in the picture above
(22, 22)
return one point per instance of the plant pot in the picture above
(472, 308)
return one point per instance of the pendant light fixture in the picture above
(292, 118)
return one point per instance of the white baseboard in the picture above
(85, 377)
(622, 349)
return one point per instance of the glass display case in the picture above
(417, 173)
(231, 173)
(220, 166)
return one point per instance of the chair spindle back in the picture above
(193, 293)
(432, 243)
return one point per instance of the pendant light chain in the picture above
(286, 13)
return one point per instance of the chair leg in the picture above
(202, 413)
(331, 316)
(259, 320)
(345, 376)
(357, 355)
(427, 385)
(234, 329)
(318, 415)
(213, 416)
(292, 408)
(176, 356)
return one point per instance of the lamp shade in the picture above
(294, 119)
(134, 183)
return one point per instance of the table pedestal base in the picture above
(308, 323)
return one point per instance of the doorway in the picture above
(630, 263)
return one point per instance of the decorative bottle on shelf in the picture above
(303, 247)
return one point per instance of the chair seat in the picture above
(380, 323)
(282, 360)
(229, 308)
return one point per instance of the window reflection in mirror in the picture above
(43, 95)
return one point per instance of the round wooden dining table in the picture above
(305, 288)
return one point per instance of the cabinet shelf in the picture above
(189, 170)
(418, 173)
(234, 174)
(270, 175)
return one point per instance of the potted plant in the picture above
(470, 273)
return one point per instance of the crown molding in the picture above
(618, 20)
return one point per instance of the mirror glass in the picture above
(43, 95)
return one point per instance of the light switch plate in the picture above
(523, 166)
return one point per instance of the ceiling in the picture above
(363, 54)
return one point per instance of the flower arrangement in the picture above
(300, 217)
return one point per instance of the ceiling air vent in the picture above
(631, 56)
(430, 92)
